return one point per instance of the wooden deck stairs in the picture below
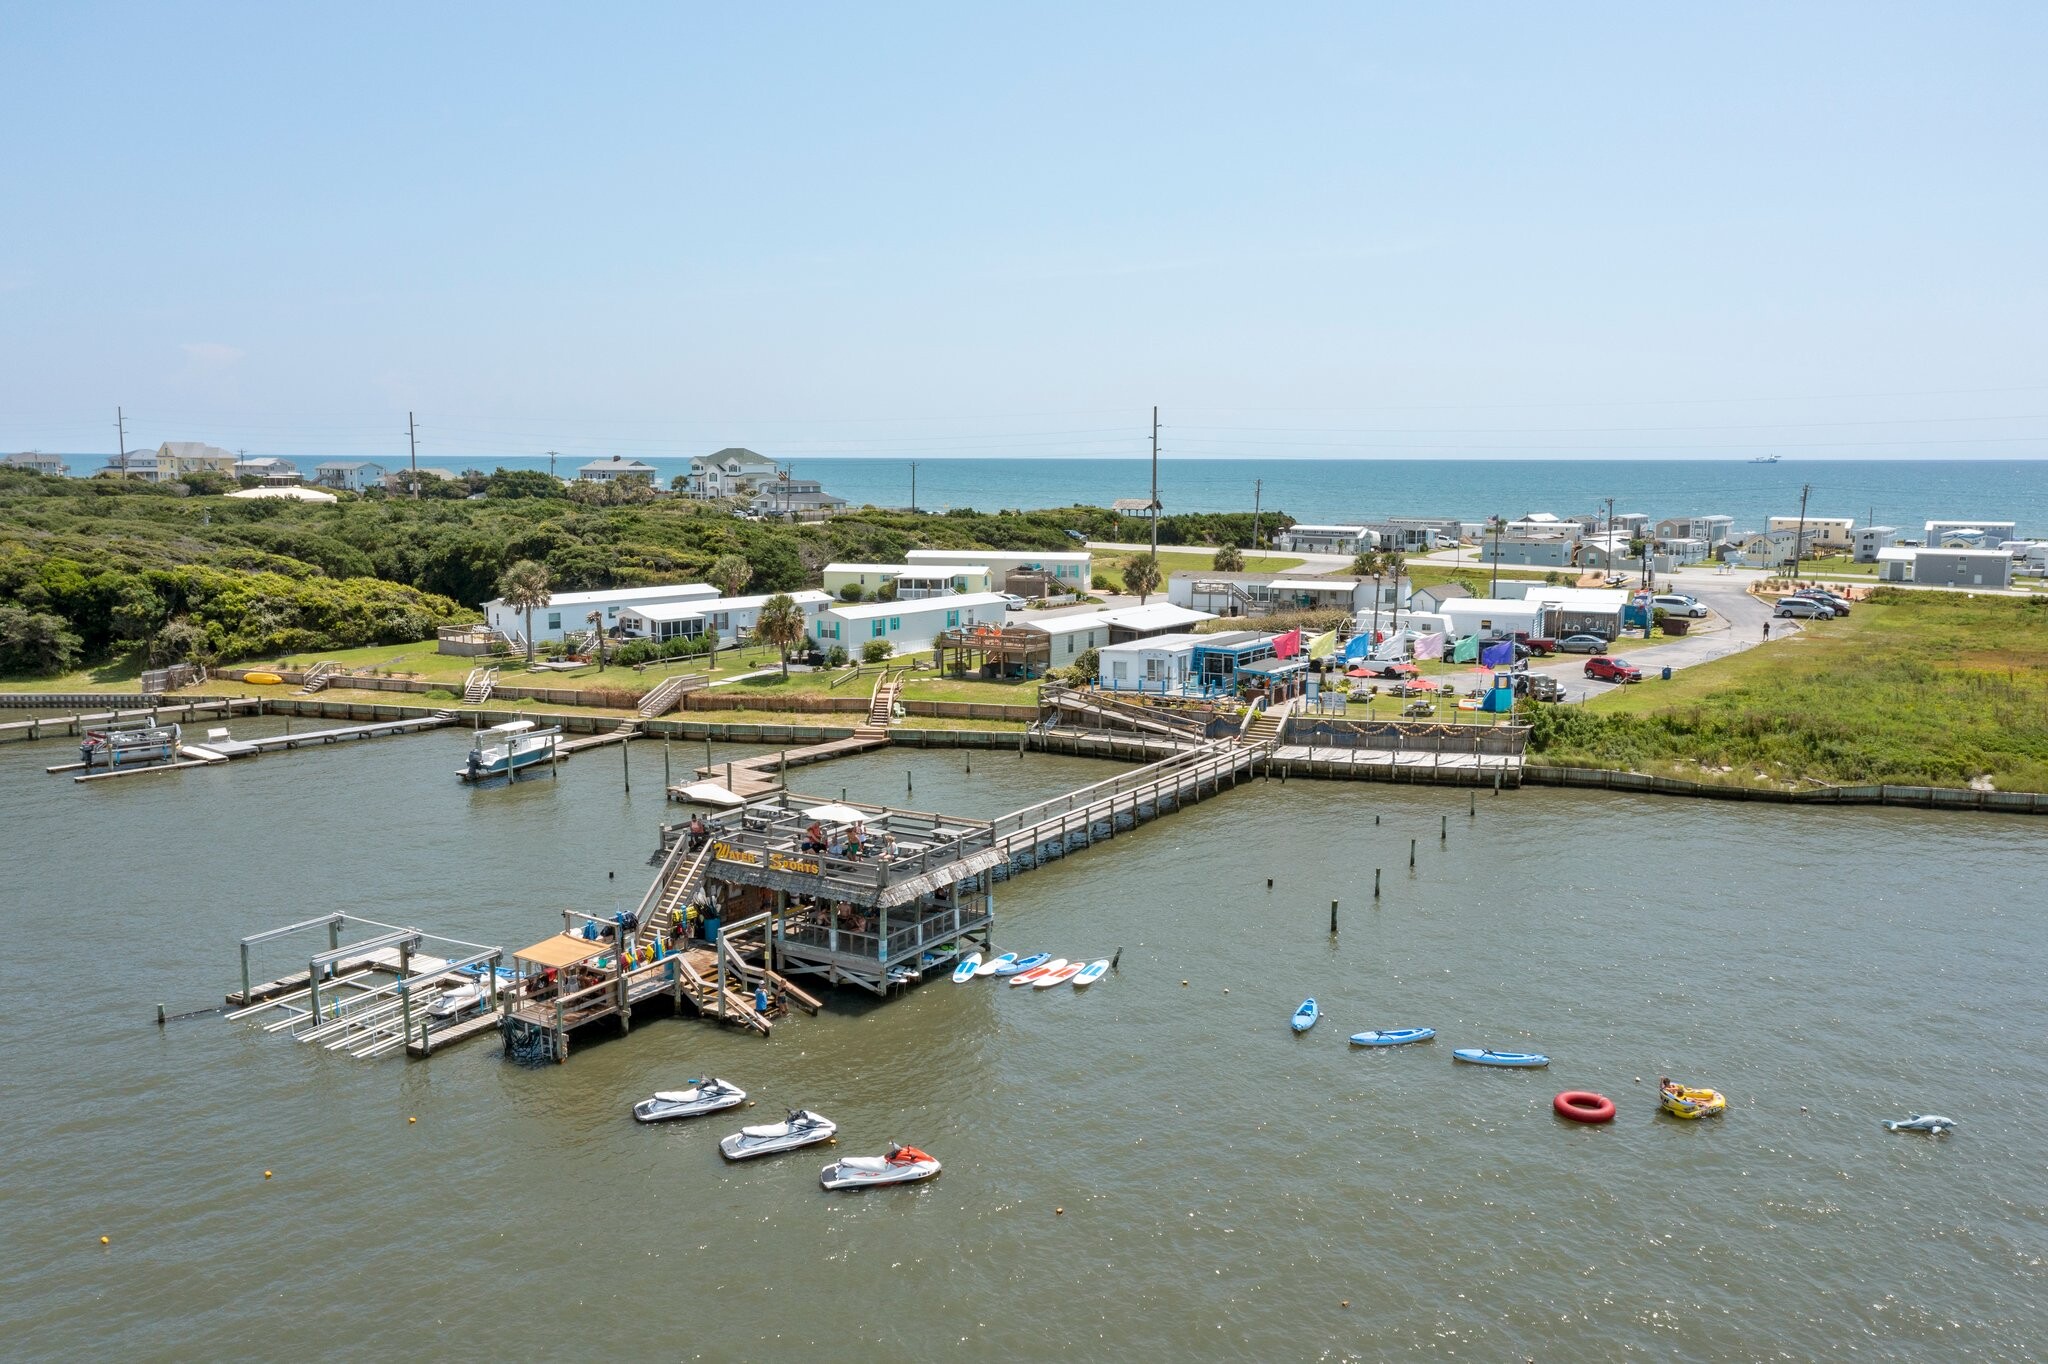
(316, 678)
(476, 688)
(881, 706)
(662, 699)
(1265, 725)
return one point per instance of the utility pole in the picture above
(1799, 537)
(551, 462)
(1493, 591)
(121, 426)
(913, 485)
(1258, 488)
(1155, 481)
(1610, 535)
(412, 442)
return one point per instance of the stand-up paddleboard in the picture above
(1038, 973)
(1022, 964)
(1059, 977)
(1305, 1017)
(969, 964)
(1392, 1037)
(1480, 1056)
(1089, 974)
(994, 966)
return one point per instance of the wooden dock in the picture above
(627, 731)
(75, 725)
(752, 778)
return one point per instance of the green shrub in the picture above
(836, 656)
(876, 651)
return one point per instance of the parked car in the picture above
(1536, 644)
(1601, 668)
(1538, 687)
(1678, 605)
(1837, 604)
(1582, 644)
(1013, 602)
(1804, 608)
(1077, 537)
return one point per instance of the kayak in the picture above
(1059, 977)
(964, 972)
(995, 966)
(1305, 1017)
(1481, 1056)
(1681, 1102)
(903, 1165)
(1018, 964)
(1392, 1037)
(1089, 974)
(1038, 973)
(703, 1096)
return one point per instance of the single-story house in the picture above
(1868, 540)
(1542, 526)
(1533, 551)
(618, 466)
(913, 581)
(1712, 529)
(348, 475)
(1938, 533)
(1242, 594)
(52, 465)
(1677, 551)
(1072, 569)
(908, 626)
(1162, 664)
(1430, 598)
(801, 499)
(1562, 610)
(1596, 556)
(1895, 563)
(1493, 617)
(1831, 534)
(1760, 549)
(1936, 567)
(269, 468)
(1628, 524)
(1302, 538)
(731, 617)
(1407, 533)
(1071, 635)
(568, 613)
(1153, 618)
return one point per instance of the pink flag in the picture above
(1287, 645)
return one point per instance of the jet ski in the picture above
(703, 1096)
(804, 1128)
(903, 1165)
(456, 1002)
(1934, 1124)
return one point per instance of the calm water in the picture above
(1227, 1185)
(1902, 493)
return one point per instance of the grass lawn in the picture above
(121, 675)
(1472, 575)
(1109, 575)
(1931, 688)
(1836, 566)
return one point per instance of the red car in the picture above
(1536, 644)
(1605, 669)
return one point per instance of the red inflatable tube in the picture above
(1584, 1106)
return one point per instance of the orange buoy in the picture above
(1582, 1105)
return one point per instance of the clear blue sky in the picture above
(1307, 230)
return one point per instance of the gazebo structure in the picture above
(995, 650)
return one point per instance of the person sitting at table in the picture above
(814, 837)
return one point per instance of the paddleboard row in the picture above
(1041, 970)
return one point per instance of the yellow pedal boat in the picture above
(1681, 1102)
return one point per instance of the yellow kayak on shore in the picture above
(262, 679)
(1681, 1102)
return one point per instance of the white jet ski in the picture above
(804, 1128)
(903, 1165)
(703, 1096)
(456, 1002)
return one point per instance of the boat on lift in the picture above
(508, 749)
(129, 746)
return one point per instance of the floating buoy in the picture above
(266, 1174)
(1226, 989)
(1183, 984)
(412, 1119)
(105, 1241)
(1345, 1303)
(1059, 1212)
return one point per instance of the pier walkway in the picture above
(51, 726)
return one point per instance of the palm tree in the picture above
(596, 619)
(1372, 564)
(524, 586)
(1141, 576)
(1395, 561)
(1229, 559)
(732, 573)
(781, 623)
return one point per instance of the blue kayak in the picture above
(1480, 1056)
(1035, 959)
(1392, 1037)
(1305, 1017)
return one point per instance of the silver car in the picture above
(1805, 608)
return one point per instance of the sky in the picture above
(1456, 230)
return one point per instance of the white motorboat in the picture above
(703, 1096)
(903, 1165)
(507, 749)
(804, 1128)
(456, 1002)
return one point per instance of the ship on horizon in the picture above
(1765, 459)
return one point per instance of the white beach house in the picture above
(908, 626)
(731, 617)
(1068, 569)
(568, 613)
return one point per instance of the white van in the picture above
(1679, 606)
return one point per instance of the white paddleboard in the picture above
(1038, 973)
(1059, 977)
(995, 964)
(964, 972)
(1092, 972)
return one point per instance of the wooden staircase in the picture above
(476, 689)
(1265, 725)
(316, 678)
(882, 705)
(663, 698)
